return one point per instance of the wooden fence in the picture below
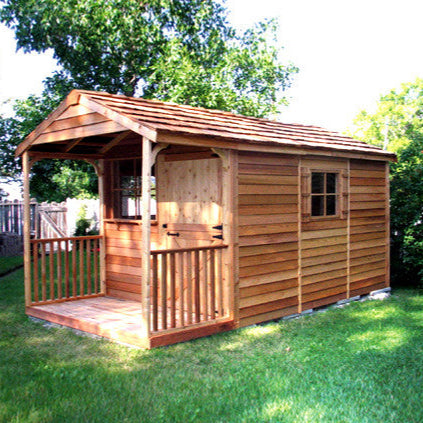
(48, 220)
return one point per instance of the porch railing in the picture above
(65, 268)
(187, 287)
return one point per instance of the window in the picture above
(127, 189)
(324, 194)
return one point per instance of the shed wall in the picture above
(268, 236)
(369, 227)
(288, 263)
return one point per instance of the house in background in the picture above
(255, 220)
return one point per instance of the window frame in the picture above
(118, 191)
(342, 192)
(336, 194)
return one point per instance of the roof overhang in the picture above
(92, 125)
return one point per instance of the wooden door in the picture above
(189, 194)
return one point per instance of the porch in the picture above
(187, 297)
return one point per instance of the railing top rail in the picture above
(71, 238)
(185, 250)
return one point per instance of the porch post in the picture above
(145, 237)
(100, 175)
(27, 228)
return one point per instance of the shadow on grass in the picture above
(361, 363)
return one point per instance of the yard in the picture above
(361, 363)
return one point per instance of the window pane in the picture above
(331, 205)
(317, 183)
(317, 205)
(331, 183)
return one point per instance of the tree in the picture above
(397, 124)
(52, 180)
(398, 114)
(173, 50)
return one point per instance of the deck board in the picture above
(113, 318)
(121, 320)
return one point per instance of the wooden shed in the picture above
(254, 220)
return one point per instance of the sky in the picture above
(348, 53)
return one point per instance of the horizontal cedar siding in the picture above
(268, 237)
(368, 227)
(123, 259)
(324, 250)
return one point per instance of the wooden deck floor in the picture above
(112, 318)
(120, 320)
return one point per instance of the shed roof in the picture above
(153, 118)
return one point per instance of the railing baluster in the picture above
(43, 272)
(219, 283)
(189, 287)
(74, 287)
(172, 291)
(204, 287)
(51, 261)
(197, 285)
(212, 285)
(81, 268)
(59, 270)
(163, 291)
(35, 255)
(154, 293)
(181, 290)
(67, 269)
(88, 256)
(96, 247)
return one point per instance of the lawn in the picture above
(10, 263)
(361, 363)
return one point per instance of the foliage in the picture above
(51, 180)
(84, 226)
(181, 50)
(362, 363)
(398, 114)
(407, 213)
(397, 124)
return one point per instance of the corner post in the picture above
(26, 166)
(100, 174)
(145, 235)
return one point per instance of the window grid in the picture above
(328, 204)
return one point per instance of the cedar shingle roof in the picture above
(170, 117)
(153, 117)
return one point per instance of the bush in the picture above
(406, 215)
(84, 226)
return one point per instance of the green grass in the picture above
(9, 263)
(361, 363)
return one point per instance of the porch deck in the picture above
(119, 320)
(113, 318)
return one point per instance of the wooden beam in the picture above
(27, 235)
(39, 155)
(70, 100)
(120, 118)
(72, 144)
(230, 233)
(145, 235)
(116, 140)
(156, 150)
(266, 147)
